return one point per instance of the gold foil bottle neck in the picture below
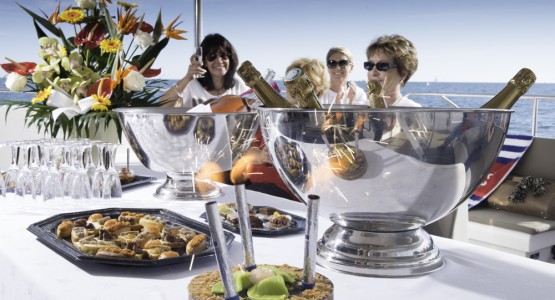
(301, 88)
(515, 88)
(248, 73)
(523, 80)
(375, 94)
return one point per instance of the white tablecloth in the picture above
(31, 270)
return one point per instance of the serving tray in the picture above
(45, 230)
(297, 224)
(139, 180)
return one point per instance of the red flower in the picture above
(21, 68)
(148, 73)
(102, 88)
(90, 36)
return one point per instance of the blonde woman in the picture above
(340, 63)
(392, 60)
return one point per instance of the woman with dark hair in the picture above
(211, 76)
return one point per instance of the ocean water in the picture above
(521, 119)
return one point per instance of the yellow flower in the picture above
(111, 45)
(100, 103)
(72, 16)
(42, 95)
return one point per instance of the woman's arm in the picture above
(173, 97)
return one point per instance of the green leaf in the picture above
(150, 53)
(158, 28)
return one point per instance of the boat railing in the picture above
(448, 99)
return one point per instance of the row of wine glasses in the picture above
(53, 169)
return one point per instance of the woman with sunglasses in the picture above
(391, 61)
(340, 64)
(212, 77)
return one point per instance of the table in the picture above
(31, 270)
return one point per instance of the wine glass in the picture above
(13, 170)
(2, 181)
(100, 171)
(80, 184)
(67, 169)
(112, 184)
(25, 184)
(199, 58)
(52, 187)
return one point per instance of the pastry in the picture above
(274, 282)
(149, 220)
(115, 252)
(154, 252)
(279, 221)
(64, 229)
(196, 245)
(126, 176)
(168, 254)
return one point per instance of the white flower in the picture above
(143, 39)
(16, 82)
(134, 82)
(86, 4)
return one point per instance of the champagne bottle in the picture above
(375, 94)
(261, 87)
(515, 88)
(301, 88)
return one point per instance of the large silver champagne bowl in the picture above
(382, 175)
(191, 148)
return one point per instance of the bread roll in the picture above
(197, 244)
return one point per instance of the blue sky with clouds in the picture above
(457, 41)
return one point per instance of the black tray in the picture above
(45, 230)
(297, 224)
(139, 180)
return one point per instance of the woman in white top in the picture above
(340, 63)
(391, 61)
(211, 76)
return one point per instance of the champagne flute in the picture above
(199, 58)
(25, 184)
(112, 184)
(100, 172)
(81, 184)
(13, 170)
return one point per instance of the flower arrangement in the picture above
(82, 78)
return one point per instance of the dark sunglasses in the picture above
(223, 55)
(332, 64)
(381, 66)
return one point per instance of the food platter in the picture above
(296, 225)
(139, 180)
(45, 230)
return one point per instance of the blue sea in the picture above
(521, 120)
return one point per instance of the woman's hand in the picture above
(195, 68)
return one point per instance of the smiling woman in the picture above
(213, 78)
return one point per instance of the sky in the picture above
(457, 41)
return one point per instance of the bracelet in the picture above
(180, 95)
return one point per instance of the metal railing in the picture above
(447, 98)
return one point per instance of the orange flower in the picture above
(53, 19)
(127, 22)
(173, 33)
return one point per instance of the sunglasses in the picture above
(381, 66)
(223, 55)
(332, 64)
